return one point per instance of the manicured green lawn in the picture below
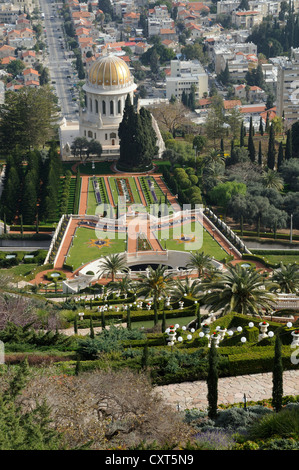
(285, 259)
(203, 240)
(91, 200)
(136, 196)
(84, 248)
(113, 188)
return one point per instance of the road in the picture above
(59, 65)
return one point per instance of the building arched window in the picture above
(97, 106)
(111, 107)
(103, 107)
(89, 134)
(112, 135)
(119, 106)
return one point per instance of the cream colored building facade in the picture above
(183, 75)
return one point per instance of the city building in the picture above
(184, 74)
(287, 97)
(108, 84)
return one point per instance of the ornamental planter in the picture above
(171, 336)
(295, 342)
(214, 338)
(263, 327)
(222, 333)
(206, 329)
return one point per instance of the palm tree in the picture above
(156, 283)
(186, 286)
(214, 156)
(123, 286)
(272, 179)
(239, 290)
(200, 262)
(112, 264)
(286, 279)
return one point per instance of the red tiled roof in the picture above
(252, 109)
(229, 104)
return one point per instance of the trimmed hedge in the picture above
(32, 228)
(270, 235)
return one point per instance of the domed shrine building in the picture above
(108, 84)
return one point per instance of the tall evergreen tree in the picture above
(212, 382)
(137, 138)
(271, 149)
(91, 333)
(251, 147)
(289, 145)
(267, 123)
(261, 127)
(277, 376)
(260, 154)
(129, 326)
(280, 156)
(242, 135)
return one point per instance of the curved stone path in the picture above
(231, 390)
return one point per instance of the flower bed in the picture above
(124, 189)
(97, 190)
(152, 189)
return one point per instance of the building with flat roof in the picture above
(287, 96)
(184, 74)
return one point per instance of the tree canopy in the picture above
(27, 119)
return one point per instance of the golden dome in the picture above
(109, 71)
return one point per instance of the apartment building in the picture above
(287, 97)
(184, 74)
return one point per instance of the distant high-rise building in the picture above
(287, 99)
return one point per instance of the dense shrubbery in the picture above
(254, 428)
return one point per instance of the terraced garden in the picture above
(87, 247)
(180, 238)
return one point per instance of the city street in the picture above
(60, 67)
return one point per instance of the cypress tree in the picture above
(280, 156)
(163, 328)
(76, 325)
(267, 123)
(261, 128)
(212, 382)
(144, 357)
(91, 334)
(156, 319)
(198, 316)
(271, 149)
(289, 146)
(103, 320)
(251, 147)
(129, 326)
(242, 135)
(260, 155)
(184, 98)
(277, 377)
(222, 146)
